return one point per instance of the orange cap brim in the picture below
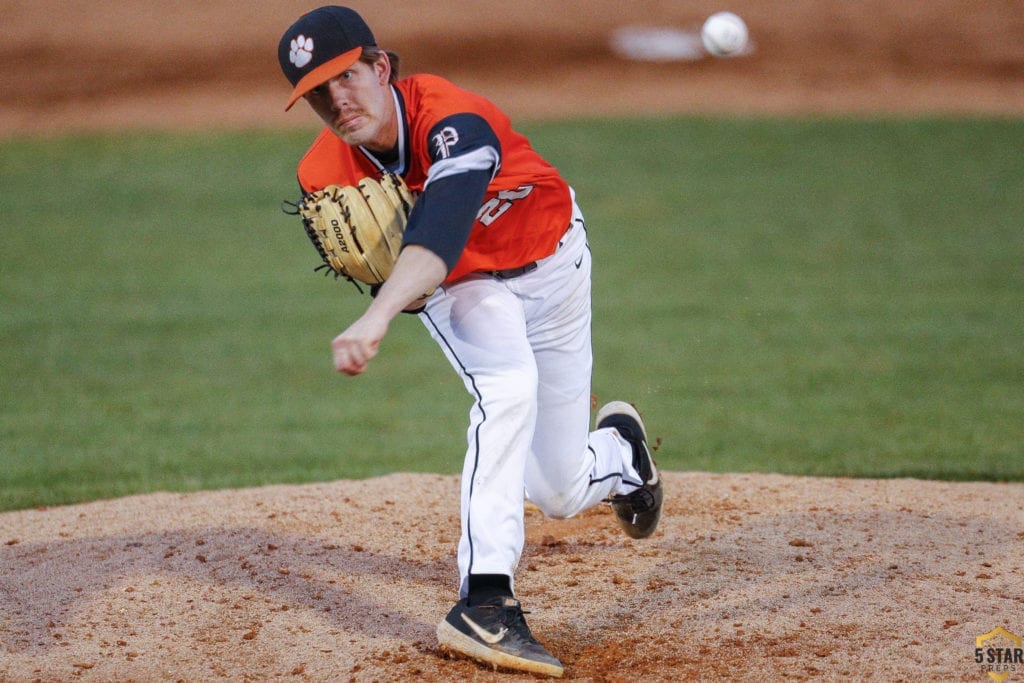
(324, 73)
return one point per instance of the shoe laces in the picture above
(514, 618)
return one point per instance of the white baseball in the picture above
(724, 34)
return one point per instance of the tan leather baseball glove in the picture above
(357, 230)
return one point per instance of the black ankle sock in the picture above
(483, 587)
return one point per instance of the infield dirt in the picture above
(750, 577)
(138, 64)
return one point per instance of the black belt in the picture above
(513, 272)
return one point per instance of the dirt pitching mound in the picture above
(749, 577)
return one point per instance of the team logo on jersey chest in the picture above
(444, 140)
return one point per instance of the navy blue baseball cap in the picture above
(320, 45)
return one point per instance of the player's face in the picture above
(358, 107)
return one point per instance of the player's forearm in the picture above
(418, 270)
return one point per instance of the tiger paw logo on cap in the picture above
(301, 52)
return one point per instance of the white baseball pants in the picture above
(523, 349)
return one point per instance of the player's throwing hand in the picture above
(357, 345)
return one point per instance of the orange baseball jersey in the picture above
(527, 206)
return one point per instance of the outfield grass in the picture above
(828, 297)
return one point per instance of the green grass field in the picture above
(825, 297)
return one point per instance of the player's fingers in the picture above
(346, 363)
(342, 356)
(352, 370)
(351, 356)
(369, 350)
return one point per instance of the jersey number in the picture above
(493, 209)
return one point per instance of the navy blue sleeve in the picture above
(466, 155)
(442, 217)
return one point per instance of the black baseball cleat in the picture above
(495, 632)
(638, 512)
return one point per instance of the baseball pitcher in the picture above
(425, 192)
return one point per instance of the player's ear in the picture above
(382, 67)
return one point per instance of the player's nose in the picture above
(338, 93)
